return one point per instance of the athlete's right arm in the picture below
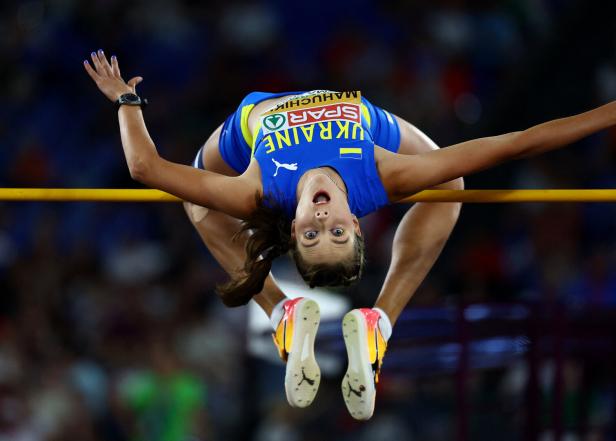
(405, 175)
(232, 195)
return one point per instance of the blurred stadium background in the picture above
(109, 327)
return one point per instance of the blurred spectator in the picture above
(165, 402)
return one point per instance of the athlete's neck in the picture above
(327, 171)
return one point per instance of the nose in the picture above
(321, 214)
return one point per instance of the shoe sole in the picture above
(303, 375)
(358, 389)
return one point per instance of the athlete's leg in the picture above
(420, 236)
(418, 241)
(217, 229)
(295, 321)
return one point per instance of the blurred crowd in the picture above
(109, 326)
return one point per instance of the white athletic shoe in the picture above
(365, 347)
(294, 338)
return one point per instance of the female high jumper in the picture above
(299, 169)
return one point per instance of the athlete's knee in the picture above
(456, 207)
(195, 213)
(452, 210)
(458, 184)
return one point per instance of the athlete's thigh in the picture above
(209, 158)
(412, 140)
(212, 159)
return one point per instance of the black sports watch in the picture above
(130, 99)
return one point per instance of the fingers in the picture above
(96, 77)
(97, 64)
(104, 63)
(103, 68)
(106, 75)
(115, 67)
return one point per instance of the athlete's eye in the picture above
(310, 234)
(337, 232)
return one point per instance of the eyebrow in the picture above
(341, 241)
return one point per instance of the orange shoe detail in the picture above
(294, 338)
(365, 347)
(283, 337)
(377, 345)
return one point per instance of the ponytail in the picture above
(270, 238)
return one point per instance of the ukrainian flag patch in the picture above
(350, 152)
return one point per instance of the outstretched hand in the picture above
(107, 76)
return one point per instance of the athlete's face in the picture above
(324, 227)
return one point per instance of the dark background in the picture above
(109, 327)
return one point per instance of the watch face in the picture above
(129, 98)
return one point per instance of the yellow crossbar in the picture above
(85, 195)
(483, 196)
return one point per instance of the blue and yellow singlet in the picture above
(312, 129)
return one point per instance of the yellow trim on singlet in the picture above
(366, 113)
(254, 138)
(244, 123)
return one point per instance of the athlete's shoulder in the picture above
(394, 171)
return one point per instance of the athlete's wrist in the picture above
(131, 99)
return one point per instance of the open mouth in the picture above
(322, 197)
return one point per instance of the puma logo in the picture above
(358, 393)
(305, 378)
(291, 167)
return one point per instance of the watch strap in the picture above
(131, 99)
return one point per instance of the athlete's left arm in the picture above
(404, 175)
(231, 195)
(420, 236)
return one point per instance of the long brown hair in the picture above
(270, 238)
